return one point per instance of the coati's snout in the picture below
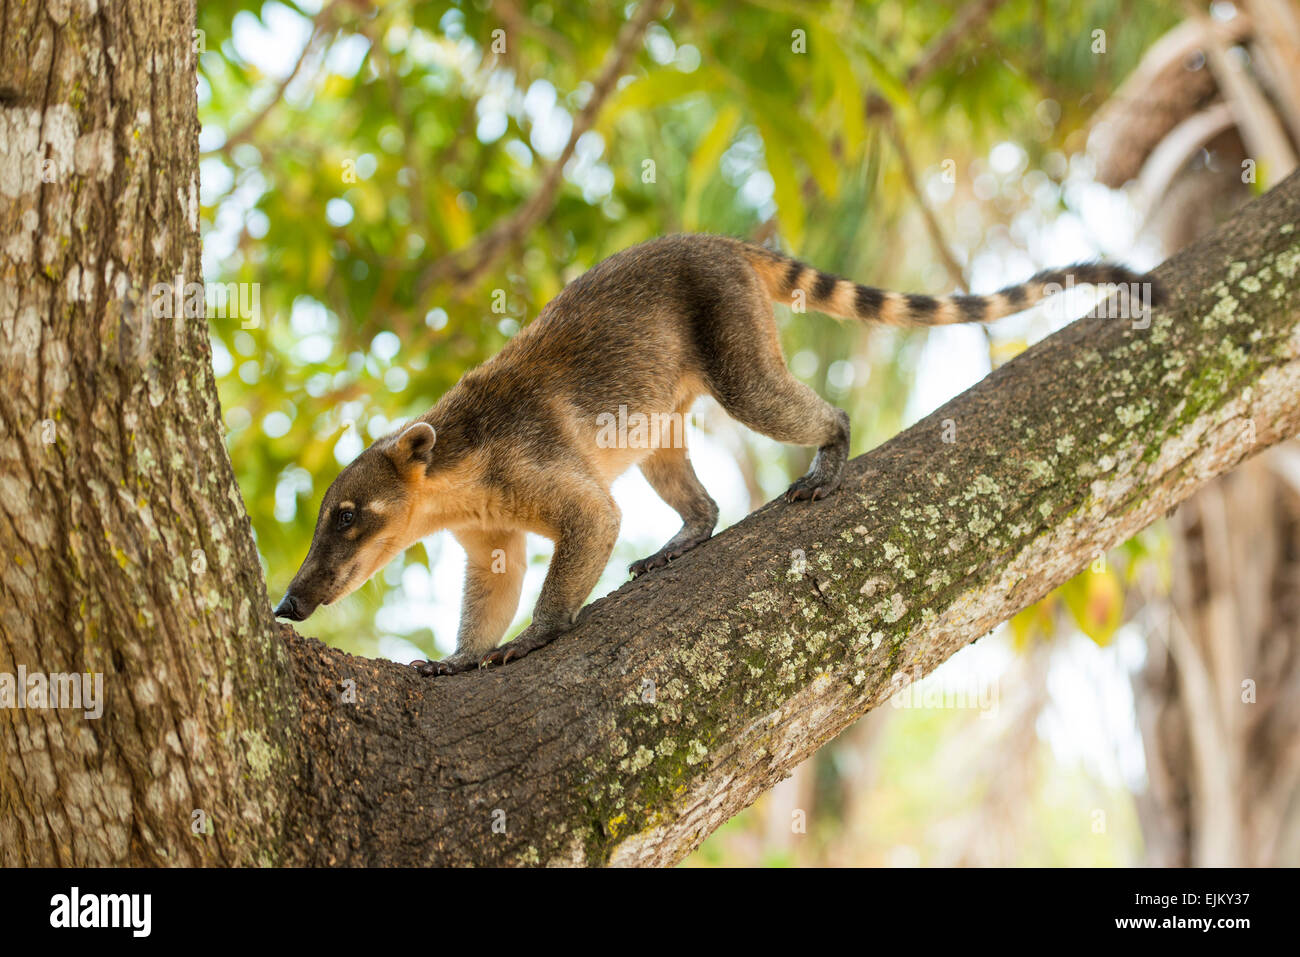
(290, 607)
(368, 516)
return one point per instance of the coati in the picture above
(512, 448)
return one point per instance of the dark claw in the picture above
(662, 557)
(498, 656)
(805, 490)
(527, 641)
(432, 669)
(503, 655)
(651, 562)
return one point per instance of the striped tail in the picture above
(792, 282)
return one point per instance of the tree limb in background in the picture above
(1276, 55)
(1261, 130)
(970, 19)
(321, 25)
(1160, 93)
(956, 273)
(464, 266)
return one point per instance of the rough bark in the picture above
(675, 701)
(124, 546)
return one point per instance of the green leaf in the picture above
(786, 131)
(655, 89)
(1095, 600)
(704, 162)
(789, 197)
(850, 97)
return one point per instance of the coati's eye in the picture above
(346, 518)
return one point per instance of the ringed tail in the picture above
(783, 277)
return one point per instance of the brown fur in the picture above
(518, 444)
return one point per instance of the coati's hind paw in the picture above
(827, 471)
(530, 639)
(810, 488)
(665, 555)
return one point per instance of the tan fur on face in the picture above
(371, 557)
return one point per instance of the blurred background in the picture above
(408, 183)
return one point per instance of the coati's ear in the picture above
(412, 445)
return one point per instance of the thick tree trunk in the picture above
(124, 546)
(672, 705)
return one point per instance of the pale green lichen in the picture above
(1130, 415)
(261, 756)
(1039, 470)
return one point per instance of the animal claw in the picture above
(435, 669)
(805, 490)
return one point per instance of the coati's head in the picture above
(369, 515)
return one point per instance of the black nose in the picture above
(289, 608)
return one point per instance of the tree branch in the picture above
(464, 266)
(322, 23)
(969, 20)
(671, 705)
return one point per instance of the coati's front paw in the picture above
(448, 666)
(810, 488)
(530, 639)
(665, 555)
